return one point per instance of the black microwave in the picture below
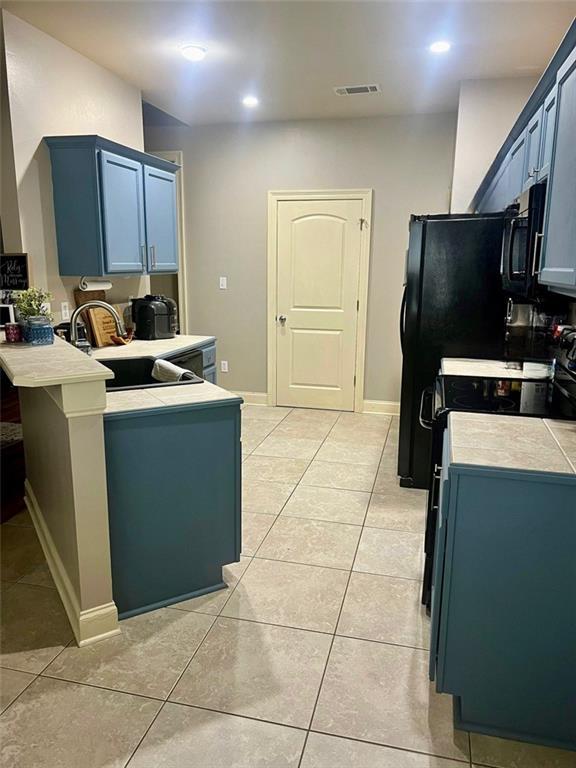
(522, 243)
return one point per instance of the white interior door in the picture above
(318, 267)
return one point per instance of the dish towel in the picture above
(165, 371)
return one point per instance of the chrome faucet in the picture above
(84, 344)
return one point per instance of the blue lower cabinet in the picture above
(174, 501)
(504, 607)
(210, 374)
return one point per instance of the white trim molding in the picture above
(89, 626)
(253, 398)
(276, 196)
(386, 407)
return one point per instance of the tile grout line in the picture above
(171, 691)
(34, 678)
(335, 624)
(304, 486)
(296, 486)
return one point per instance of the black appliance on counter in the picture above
(552, 395)
(453, 306)
(155, 317)
(522, 244)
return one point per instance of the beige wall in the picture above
(53, 90)
(8, 195)
(487, 111)
(228, 171)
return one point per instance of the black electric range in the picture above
(538, 389)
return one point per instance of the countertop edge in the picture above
(117, 352)
(29, 379)
(173, 407)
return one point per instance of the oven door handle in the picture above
(428, 392)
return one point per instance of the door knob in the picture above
(282, 319)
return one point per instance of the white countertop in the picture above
(494, 369)
(157, 348)
(30, 365)
(513, 442)
(164, 397)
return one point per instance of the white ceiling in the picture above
(291, 54)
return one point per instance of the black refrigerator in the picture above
(453, 306)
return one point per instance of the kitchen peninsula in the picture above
(79, 439)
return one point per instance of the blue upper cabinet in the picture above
(115, 208)
(558, 263)
(547, 134)
(515, 169)
(122, 196)
(532, 151)
(161, 220)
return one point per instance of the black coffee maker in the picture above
(155, 317)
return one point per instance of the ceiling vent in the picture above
(356, 90)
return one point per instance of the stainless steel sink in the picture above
(136, 373)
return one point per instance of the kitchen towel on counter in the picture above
(165, 371)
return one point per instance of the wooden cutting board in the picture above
(100, 323)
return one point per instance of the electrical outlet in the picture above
(224, 366)
(65, 310)
(223, 283)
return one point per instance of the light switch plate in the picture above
(223, 283)
(65, 310)
(224, 366)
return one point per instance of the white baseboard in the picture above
(387, 407)
(254, 398)
(90, 625)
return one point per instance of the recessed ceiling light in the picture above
(440, 46)
(193, 52)
(250, 101)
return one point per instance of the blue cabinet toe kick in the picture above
(172, 600)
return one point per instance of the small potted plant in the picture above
(34, 317)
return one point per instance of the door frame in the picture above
(177, 157)
(274, 198)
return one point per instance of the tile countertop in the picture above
(29, 365)
(157, 348)
(513, 442)
(494, 369)
(164, 397)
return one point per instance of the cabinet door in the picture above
(559, 248)
(515, 170)
(532, 151)
(161, 220)
(547, 134)
(122, 202)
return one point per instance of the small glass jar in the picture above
(13, 333)
(37, 330)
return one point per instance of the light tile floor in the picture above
(314, 657)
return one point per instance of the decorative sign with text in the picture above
(13, 271)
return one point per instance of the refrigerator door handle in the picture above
(403, 318)
(426, 423)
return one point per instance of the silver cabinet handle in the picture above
(282, 319)
(153, 256)
(537, 253)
